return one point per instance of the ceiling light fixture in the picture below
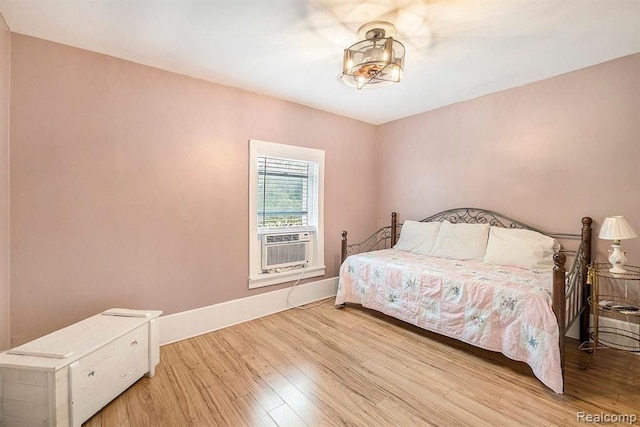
(376, 61)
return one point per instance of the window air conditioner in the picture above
(284, 250)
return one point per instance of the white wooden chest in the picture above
(63, 378)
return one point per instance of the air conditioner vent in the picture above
(284, 250)
(276, 238)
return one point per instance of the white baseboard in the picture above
(191, 323)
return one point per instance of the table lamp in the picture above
(617, 228)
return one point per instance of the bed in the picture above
(493, 301)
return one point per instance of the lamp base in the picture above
(617, 258)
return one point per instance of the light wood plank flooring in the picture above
(329, 367)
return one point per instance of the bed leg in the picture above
(394, 228)
(586, 287)
(343, 246)
(559, 302)
(343, 305)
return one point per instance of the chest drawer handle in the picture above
(134, 342)
(91, 373)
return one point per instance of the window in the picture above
(283, 187)
(286, 191)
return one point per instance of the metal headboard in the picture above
(384, 238)
(484, 216)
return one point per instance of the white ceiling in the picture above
(292, 49)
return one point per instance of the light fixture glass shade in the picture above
(376, 61)
(616, 228)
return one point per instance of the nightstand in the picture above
(615, 306)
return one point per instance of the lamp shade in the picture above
(616, 228)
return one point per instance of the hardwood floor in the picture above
(355, 367)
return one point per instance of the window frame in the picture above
(316, 265)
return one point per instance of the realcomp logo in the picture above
(584, 417)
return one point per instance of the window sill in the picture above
(284, 230)
(267, 279)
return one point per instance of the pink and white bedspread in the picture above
(497, 308)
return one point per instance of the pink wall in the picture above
(130, 185)
(548, 153)
(5, 74)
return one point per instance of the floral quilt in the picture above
(497, 308)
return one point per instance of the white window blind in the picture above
(283, 192)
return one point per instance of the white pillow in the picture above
(520, 248)
(461, 241)
(417, 236)
(430, 231)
